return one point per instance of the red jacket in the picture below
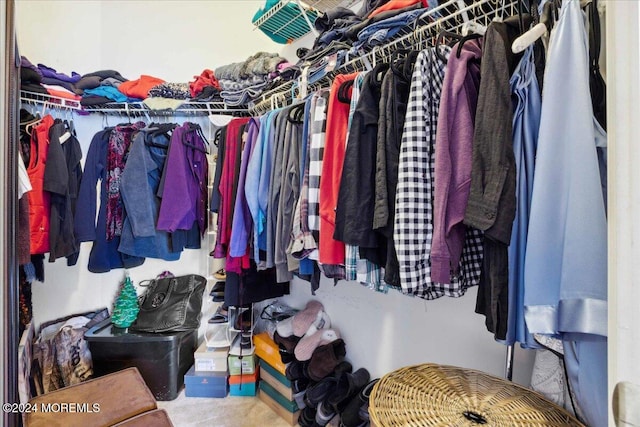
(331, 251)
(39, 206)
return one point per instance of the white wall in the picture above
(176, 40)
(623, 65)
(173, 40)
(387, 331)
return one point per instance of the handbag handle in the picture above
(157, 302)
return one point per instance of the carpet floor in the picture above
(231, 411)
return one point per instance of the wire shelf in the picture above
(452, 16)
(190, 108)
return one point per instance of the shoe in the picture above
(220, 316)
(351, 417)
(324, 414)
(243, 320)
(348, 385)
(217, 292)
(218, 289)
(307, 417)
(220, 274)
(300, 385)
(325, 359)
(294, 371)
(319, 391)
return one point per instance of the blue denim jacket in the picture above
(139, 184)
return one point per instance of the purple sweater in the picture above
(453, 153)
(184, 196)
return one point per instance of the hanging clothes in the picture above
(184, 193)
(24, 187)
(393, 109)
(351, 251)
(526, 123)
(279, 132)
(566, 259)
(316, 157)
(62, 176)
(289, 193)
(214, 202)
(331, 251)
(228, 185)
(238, 256)
(104, 254)
(138, 186)
(492, 199)
(259, 171)
(453, 153)
(119, 142)
(364, 250)
(302, 242)
(39, 199)
(413, 226)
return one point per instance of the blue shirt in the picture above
(526, 122)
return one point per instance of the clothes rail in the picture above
(136, 109)
(453, 15)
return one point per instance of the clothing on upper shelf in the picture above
(139, 88)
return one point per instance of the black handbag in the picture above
(171, 304)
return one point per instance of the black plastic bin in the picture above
(162, 359)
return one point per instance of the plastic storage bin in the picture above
(162, 359)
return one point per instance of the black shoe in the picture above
(350, 417)
(243, 320)
(218, 289)
(348, 385)
(307, 417)
(320, 391)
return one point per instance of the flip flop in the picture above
(219, 316)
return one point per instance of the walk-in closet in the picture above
(320, 213)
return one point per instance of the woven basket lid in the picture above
(440, 395)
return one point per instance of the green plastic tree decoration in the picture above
(125, 308)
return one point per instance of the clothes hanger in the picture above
(344, 95)
(194, 127)
(441, 40)
(547, 19)
(296, 114)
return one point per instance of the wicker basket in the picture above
(439, 395)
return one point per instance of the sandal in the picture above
(220, 274)
(220, 316)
